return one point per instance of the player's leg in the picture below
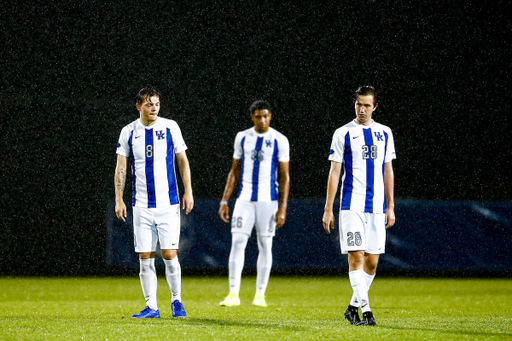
(263, 268)
(376, 242)
(145, 238)
(242, 224)
(352, 242)
(370, 268)
(265, 228)
(168, 223)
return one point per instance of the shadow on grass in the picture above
(220, 322)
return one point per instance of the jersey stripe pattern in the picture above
(260, 155)
(363, 151)
(152, 151)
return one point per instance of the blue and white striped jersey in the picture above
(363, 151)
(260, 155)
(151, 150)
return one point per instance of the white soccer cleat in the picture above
(231, 300)
(259, 300)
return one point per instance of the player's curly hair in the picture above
(365, 91)
(146, 93)
(259, 105)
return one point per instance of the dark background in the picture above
(70, 70)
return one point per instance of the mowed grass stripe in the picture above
(304, 308)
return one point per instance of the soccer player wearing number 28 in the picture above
(261, 168)
(153, 144)
(364, 149)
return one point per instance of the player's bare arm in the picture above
(184, 166)
(119, 182)
(233, 178)
(332, 188)
(389, 188)
(284, 191)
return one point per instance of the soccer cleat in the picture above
(352, 315)
(367, 320)
(147, 313)
(177, 309)
(259, 300)
(231, 300)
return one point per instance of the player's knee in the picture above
(370, 263)
(239, 240)
(146, 255)
(169, 254)
(265, 244)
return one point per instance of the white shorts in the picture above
(248, 214)
(152, 225)
(360, 231)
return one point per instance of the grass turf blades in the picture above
(305, 308)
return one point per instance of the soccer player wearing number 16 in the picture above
(261, 166)
(365, 149)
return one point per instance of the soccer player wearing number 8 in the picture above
(261, 169)
(154, 144)
(363, 149)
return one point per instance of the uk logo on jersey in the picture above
(379, 136)
(268, 143)
(160, 134)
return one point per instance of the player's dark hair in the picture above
(367, 90)
(259, 105)
(146, 93)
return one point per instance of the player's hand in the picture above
(390, 217)
(328, 221)
(188, 202)
(121, 210)
(280, 218)
(224, 213)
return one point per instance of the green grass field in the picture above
(300, 308)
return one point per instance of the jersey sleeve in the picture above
(390, 150)
(284, 149)
(123, 147)
(337, 146)
(238, 150)
(178, 141)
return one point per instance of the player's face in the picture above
(261, 119)
(149, 110)
(365, 106)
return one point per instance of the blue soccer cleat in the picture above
(147, 313)
(177, 309)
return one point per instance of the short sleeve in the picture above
(238, 148)
(337, 146)
(390, 148)
(283, 154)
(178, 141)
(123, 147)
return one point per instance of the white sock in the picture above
(368, 279)
(173, 276)
(358, 283)
(148, 281)
(236, 261)
(264, 264)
